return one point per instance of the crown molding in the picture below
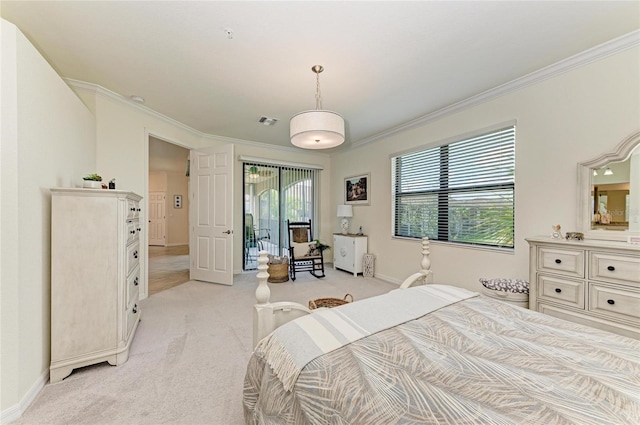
(101, 91)
(224, 139)
(596, 53)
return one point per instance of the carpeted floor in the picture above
(188, 357)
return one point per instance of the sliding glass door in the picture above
(274, 194)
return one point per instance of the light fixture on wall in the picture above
(595, 173)
(253, 172)
(345, 211)
(318, 129)
(608, 172)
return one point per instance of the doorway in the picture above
(168, 220)
(273, 194)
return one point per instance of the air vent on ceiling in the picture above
(267, 121)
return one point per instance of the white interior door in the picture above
(157, 219)
(211, 215)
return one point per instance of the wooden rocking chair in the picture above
(303, 252)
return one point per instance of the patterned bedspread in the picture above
(478, 361)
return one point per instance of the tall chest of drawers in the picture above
(596, 283)
(95, 276)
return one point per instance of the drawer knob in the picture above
(135, 308)
(611, 268)
(558, 290)
(612, 302)
(558, 261)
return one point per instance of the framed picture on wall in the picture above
(357, 189)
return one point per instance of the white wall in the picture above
(561, 121)
(48, 139)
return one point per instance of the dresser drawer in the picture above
(133, 234)
(133, 208)
(132, 314)
(133, 255)
(564, 291)
(133, 283)
(615, 301)
(561, 261)
(614, 268)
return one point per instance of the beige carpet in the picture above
(188, 358)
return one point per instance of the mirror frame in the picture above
(585, 171)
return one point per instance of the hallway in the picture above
(168, 267)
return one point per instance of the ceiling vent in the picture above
(267, 121)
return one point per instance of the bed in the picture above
(468, 360)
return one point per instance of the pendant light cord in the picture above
(318, 94)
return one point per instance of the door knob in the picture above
(228, 232)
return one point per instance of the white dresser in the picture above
(596, 283)
(95, 276)
(348, 252)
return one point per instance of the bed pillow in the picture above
(516, 286)
(300, 249)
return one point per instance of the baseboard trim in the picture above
(388, 279)
(15, 412)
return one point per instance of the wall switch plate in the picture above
(177, 201)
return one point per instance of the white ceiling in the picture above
(386, 63)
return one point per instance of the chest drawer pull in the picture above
(558, 261)
(558, 290)
(612, 302)
(611, 268)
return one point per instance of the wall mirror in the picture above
(609, 192)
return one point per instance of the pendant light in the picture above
(317, 129)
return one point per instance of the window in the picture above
(461, 192)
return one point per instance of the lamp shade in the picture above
(317, 129)
(345, 211)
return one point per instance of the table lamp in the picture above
(345, 211)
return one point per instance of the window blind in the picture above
(459, 192)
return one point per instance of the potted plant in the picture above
(320, 246)
(93, 181)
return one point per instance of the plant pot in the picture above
(92, 184)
